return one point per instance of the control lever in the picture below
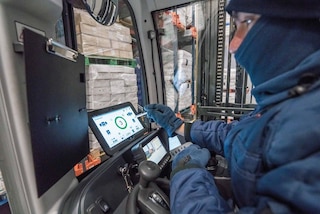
(148, 171)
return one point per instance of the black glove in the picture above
(164, 116)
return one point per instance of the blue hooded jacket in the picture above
(273, 153)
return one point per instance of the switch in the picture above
(103, 205)
(92, 209)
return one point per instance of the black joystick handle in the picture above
(148, 171)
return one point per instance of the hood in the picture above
(305, 9)
(276, 53)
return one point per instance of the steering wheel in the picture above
(146, 195)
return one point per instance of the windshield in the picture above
(197, 67)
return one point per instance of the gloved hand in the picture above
(194, 189)
(164, 116)
(191, 157)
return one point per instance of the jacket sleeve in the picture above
(211, 134)
(194, 191)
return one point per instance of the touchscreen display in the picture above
(155, 150)
(118, 125)
(174, 142)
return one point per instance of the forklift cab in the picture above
(73, 73)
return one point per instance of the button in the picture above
(103, 205)
(92, 209)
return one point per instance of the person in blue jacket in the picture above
(273, 153)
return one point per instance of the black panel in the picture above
(105, 183)
(57, 115)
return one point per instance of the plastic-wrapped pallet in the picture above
(168, 72)
(110, 85)
(93, 142)
(232, 85)
(183, 79)
(107, 85)
(2, 188)
(185, 15)
(169, 37)
(178, 81)
(99, 40)
(232, 88)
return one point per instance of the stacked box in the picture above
(93, 142)
(168, 72)
(170, 35)
(232, 84)
(249, 98)
(99, 40)
(232, 90)
(110, 85)
(185, 15)
(2, 188)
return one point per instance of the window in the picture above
(197, 67)
(114, 73)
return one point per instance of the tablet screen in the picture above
(115, 126)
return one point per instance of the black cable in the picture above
(154, 69)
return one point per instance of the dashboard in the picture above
(124, 137)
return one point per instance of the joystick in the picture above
(147, 195)
(148, 171)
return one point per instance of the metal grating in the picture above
(220, 51)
